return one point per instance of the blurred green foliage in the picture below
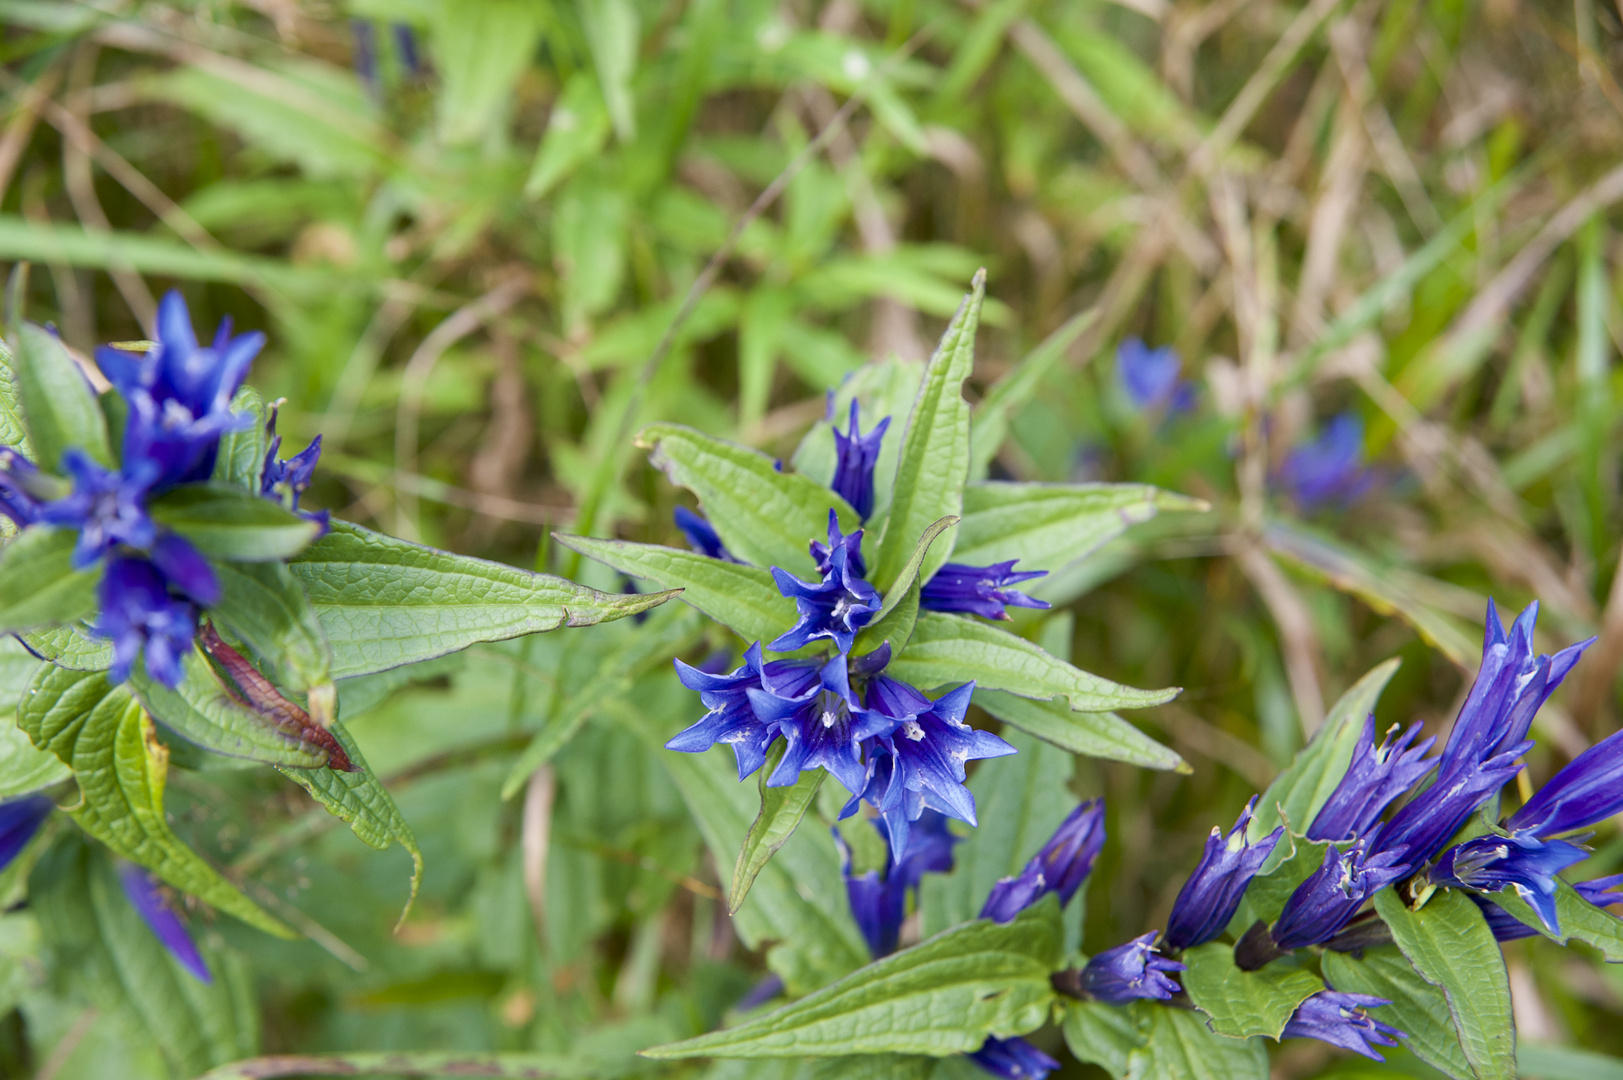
(466, 224)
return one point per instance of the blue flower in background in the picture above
(824, 726)
(978, 590)
(20, 819)
(1150, 376)
(1060, 867)
(1013, 1059)
(107, 508)
(1330, 468)
(139, 616)
(1209, 899)
(1506, 927)
(180, 395)
(147, 897)
(1324, 903)
(701, 535)
(920, 761)
(286, 481)
(836, 607)
(1343, 1020)
(1588, 790)
(855, 455)
(1524, 863)
(1374, 777)
(879, 900)
(1131, 971)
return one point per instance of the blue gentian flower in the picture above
(1060, 867)
(139, 616)
(701, 535)
(106, 508)
(1511, 685)
(1374, 777)
(1013, 1059)
(286, 481)
(879, 901)
(1213, 892)
(919, 761)
(1150, 376)
(730, 720)
(1506, 927)
(824, 726)
(1324, 903)
(1589, 789)
(1131, 971)
(979, 590)
(180, 394)
(1330, 468)
(146, 896)
(854, 457)
(1343, 1020)
(1524, 863)
(23, 490)
(20, 819)
(1426, 822)
(836, 607)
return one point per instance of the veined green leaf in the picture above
(1049, 525)
(1566, 1063)
(955, 649)
(423, 1063)
(765, 517)
(38, 584)
(989, 425)
(1580, 919)
(105, 737)
(1300, 792)
(900, 611)
(1418, 1008)
(359, 799)
(266, 606)
(1094, 734)
(203, 711)
(1102, 1034)
(742, 598)
(577, 128)
(59, 407)
(105, 949)
(69, 646)
(1245, 1003)
(23, 768)
(1450, 945)
(226, 522)
(241, 459)
(385, 602)
(940, 997)
(13, 431)
(1178, 1043)
(781, 811)
(934, 462)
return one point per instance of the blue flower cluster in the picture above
(885, 741)
(177, 394)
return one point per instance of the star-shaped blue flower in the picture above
(836, 607)
(824, 727)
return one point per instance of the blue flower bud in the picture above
(855, 455)
(1213, 892)
(1343, 1020)
(1013, 1059)
(1131, 971)
(1325, 902)
(20, 819)
(1061, 866)
(701, 535)
(146, 896)
(979, 590)
(1375, 777)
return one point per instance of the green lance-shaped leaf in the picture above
(23, 767)
(38, 584)
(202, 711)
(577, 128)
(955, 649)
(267, 607)
(13, 431)
(357, 797)
(1049, 525)
(941, 997)
(896, 617)
(989, 425)
(1553, 1062)
(1300, 792)
(103, 735)
(385, 602)
(102, 948)
(402, 1063)
(1093, 734)
(59, 407)
(742, 598)
(1103, 1034)
(1178, 1043)
(226, 522)
(934, 462)
(781, 811)
(1419, 1009)
(241, 458)
(1245, 1003)
(1580, 919)
(69, 646)
(1450, 945)
(765, 517)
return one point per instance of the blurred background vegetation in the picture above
(466, 224)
